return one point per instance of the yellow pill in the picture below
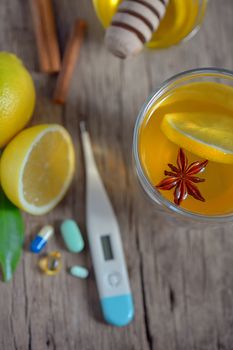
(51, 263)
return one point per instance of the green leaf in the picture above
(11, 236)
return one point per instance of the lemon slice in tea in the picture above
(206, 135)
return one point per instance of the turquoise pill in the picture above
(79, 271)
(72, 236)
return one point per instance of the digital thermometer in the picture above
(105, 245)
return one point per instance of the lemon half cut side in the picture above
(37, 167)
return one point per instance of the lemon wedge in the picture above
(206, 135)
(37, 167)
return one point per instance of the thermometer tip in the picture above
(82, 126)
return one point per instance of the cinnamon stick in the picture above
(70, 57)
(48, 20)
(46, 37)
(40, 36)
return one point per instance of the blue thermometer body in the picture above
(105, 245)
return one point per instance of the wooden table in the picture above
(181, 276)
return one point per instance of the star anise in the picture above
(182, 178)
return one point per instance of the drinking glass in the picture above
(217, 79)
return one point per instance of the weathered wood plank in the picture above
(186, 271)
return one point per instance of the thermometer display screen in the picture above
(107, 247)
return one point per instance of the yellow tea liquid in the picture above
(156, 151)
(180, 19)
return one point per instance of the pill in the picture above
(72, 236)
(41, 239)
(133, 25)
(50, 264)
(79, 271)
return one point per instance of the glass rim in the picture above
(198, 23)
(153, 193)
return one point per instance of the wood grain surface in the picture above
(181, 275)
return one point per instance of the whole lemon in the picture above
(17, 96)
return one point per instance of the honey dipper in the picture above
(133, 25)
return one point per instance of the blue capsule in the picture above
(40, 241)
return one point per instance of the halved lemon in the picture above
(206, 135)
(37, 167)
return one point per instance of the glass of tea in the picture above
(182, 20)
(183, 145)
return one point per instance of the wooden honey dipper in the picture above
(133, 25)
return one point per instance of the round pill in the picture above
(79, 271)
(72, 236)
